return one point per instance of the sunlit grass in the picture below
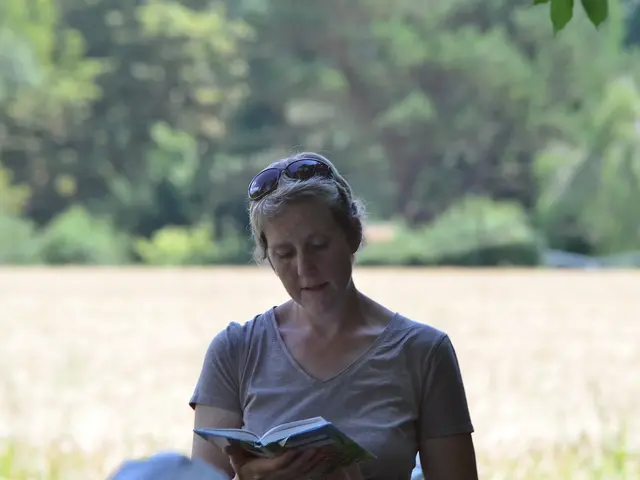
(65, 459)
(24, 462)
(582, 461)
(97, 365)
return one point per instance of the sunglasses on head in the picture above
(267, 180)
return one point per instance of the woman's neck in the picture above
(356, 311)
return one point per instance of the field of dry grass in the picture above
(98, 365)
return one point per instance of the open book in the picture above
(314, 432)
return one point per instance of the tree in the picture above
(592, 190)
(128, 108)
(436, 104)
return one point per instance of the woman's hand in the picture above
(346, 473)
(290, 465)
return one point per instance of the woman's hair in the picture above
(335, 193)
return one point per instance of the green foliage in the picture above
(561, 11)
(594, 189)
(478, 222)
(156, 114)
(184, 246)
(19, 242)
(597, 10)
(76, 237)
(13, 198)
(474, 232)
(59, 75)
(176, 246)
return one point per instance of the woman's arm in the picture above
(213, 417)
(216, 398)
(446, 447)
(449, 458)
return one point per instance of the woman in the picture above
(391, 383)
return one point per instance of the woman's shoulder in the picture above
(419, 339)
(428, 350)
(238, 334)
(419, 331)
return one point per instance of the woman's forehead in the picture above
(309, 210)
(299, 222)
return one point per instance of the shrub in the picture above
(182, 246)
(75, 237)
(474, 232)
(175, 246)
(19, 243)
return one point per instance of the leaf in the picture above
(561, 12)
(540, 2)
(597, 10)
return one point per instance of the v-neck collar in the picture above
(351, 367)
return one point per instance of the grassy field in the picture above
(98, 365)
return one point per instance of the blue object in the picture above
(417, 473)
(167, 466)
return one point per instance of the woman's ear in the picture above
(265, 250)
(355, 236)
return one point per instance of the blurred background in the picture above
(477, 137)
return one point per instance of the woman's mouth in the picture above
(315, 288)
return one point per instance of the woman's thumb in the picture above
(236, 452)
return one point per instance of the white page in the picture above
(291, 428)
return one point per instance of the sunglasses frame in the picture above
(287, 172)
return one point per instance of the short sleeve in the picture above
(444, 410)
(219, 382)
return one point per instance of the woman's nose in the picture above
(306, 265)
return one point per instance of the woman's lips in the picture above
(315, 288)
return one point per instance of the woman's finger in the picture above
(268, 467)
(295, 468)
(235, 451)
(349, 473)
(314, 464)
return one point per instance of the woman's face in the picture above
(310, 253)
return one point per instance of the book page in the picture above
(291, 428)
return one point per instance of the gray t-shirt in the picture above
(405, 388)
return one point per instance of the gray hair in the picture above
(335, 193)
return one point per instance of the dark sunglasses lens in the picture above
(263, 183)
(305, 169)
